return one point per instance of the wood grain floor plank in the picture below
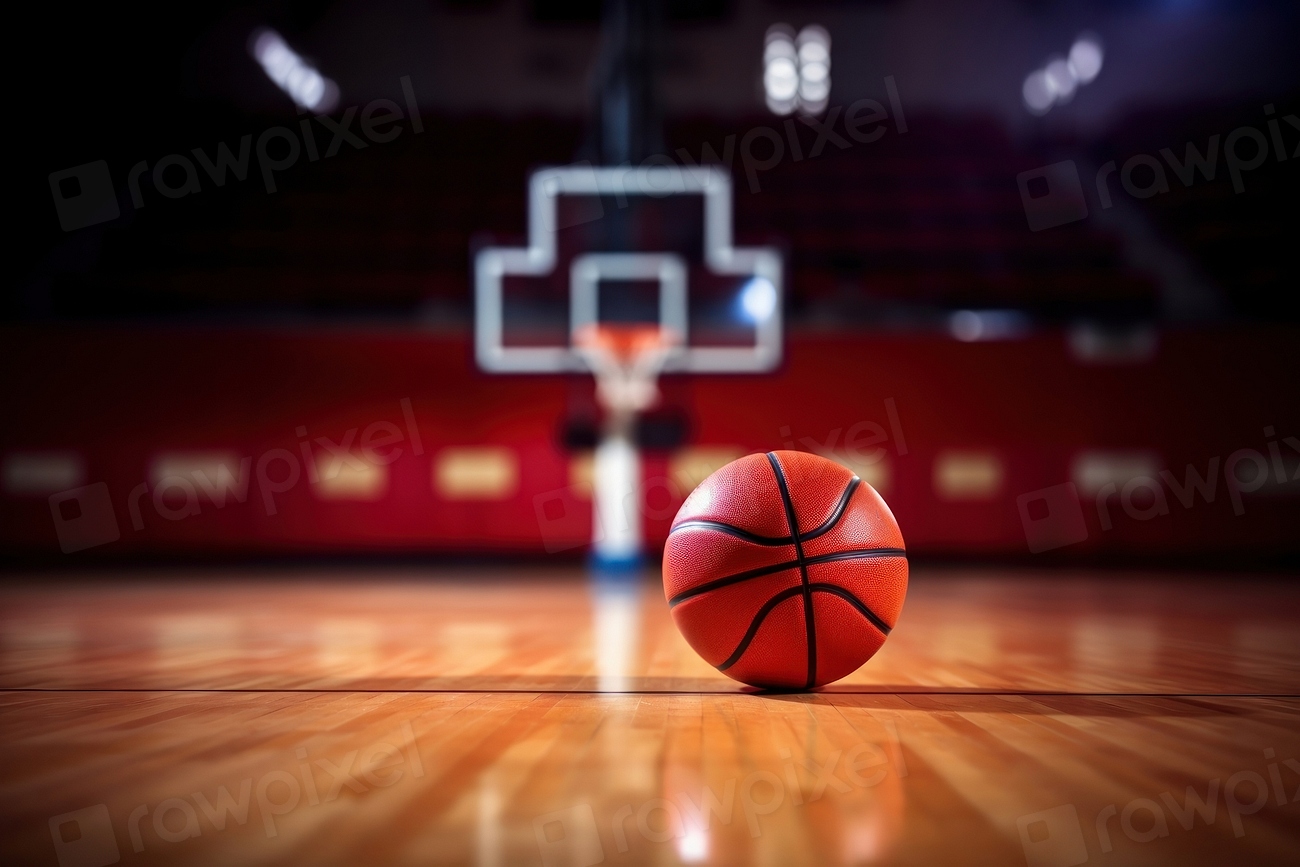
(421, 719)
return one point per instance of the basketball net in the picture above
(626, 361)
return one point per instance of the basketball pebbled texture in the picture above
(784, 570)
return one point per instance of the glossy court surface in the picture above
(498, 718)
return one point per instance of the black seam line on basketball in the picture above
(790, 593)
(858, 554)
(826, 526)
(733, 531)
(853, 600)
(731, 579)
(809, 622)
(840, 508)
(787, 593)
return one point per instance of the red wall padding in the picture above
(119, 396)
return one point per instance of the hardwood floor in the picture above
(538, 717)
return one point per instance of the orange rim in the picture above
(623, 340)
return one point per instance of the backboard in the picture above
(634, 244)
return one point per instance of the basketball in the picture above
(785, 570)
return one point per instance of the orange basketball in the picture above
(785, 570)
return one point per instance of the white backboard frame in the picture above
(493, 264)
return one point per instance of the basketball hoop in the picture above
(626, 360)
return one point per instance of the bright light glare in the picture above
(970, 326)
(815, 70)
(304, 85)
(815, 34)
(693, 846)
(758, 299)
(1037, 92)
(797, 77)
(812, 92)
(780, 106)
(778, 32)
(965, 325)
(781, 79)
(779, 47)
(1060, 79)
(814, 51)
(1085, 58)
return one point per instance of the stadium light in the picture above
(1085, 58)
(972, 326)
(291, 73)
(814, 45)
(1037, 92)
(1058, 80)
(796, 69)
(780, 69)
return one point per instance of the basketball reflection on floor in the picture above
(834, 781)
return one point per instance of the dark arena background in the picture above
(358, 358)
